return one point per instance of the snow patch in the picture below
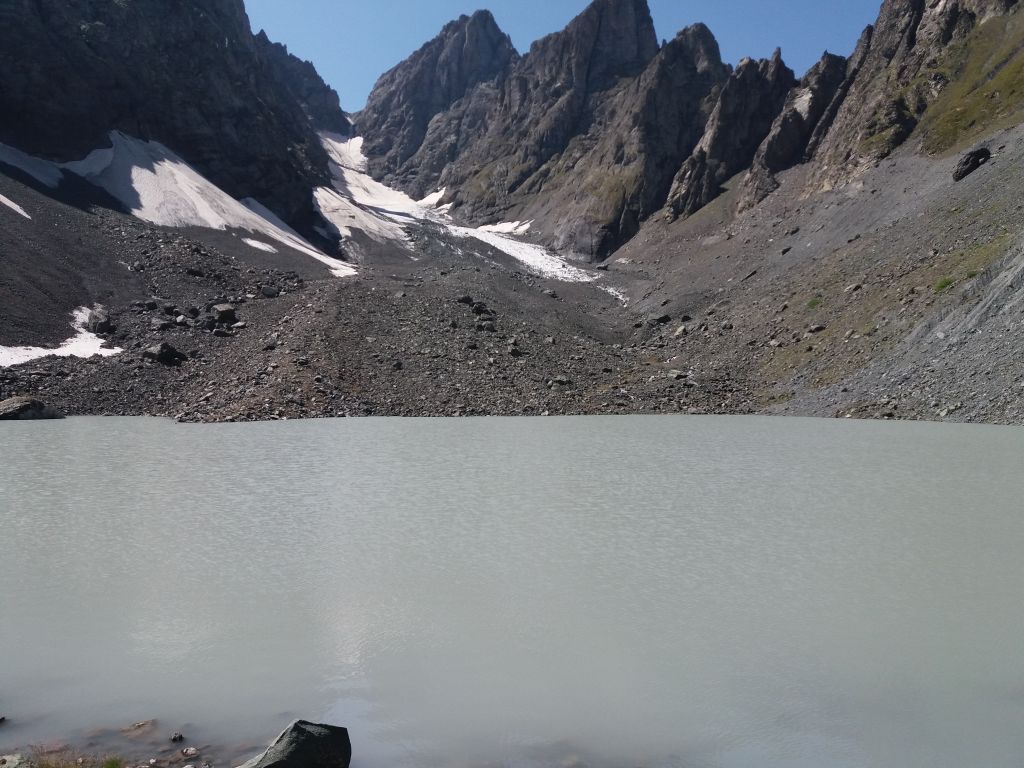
(82, 344)
(346, 152)
(46, 173)
(802, 103)
(259, 246)
(508, 227)
(157, 186)
(359, 202)
(14, 206)
(535, 258)
(345, 217)
(431, 200)
(616, 293)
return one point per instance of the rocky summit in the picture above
(191, 225)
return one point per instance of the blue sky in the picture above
(353, 42)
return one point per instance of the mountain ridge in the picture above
(493, 170)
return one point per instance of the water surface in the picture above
(727, 592)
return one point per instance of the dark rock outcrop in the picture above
(98, 321)
(26, 409)
(900, 71)
(551, 96)
(164, 353)
(792, 130)
(971, 162)
(593, 196)
(188, 74)
(746, 110)
(318, 100)
(468, 51)
(307, 745)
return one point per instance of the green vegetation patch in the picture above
(986, 88)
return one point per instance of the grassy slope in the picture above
(986, 89)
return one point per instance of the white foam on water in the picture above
(82, 344)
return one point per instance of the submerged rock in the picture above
(307, 745)
(26, 409)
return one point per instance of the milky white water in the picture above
(732, 592)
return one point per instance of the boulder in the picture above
(270, 291)
(971, 162)
(98, 321)
(307, 745)
(26, 409)
(224, 313)
(164, 354)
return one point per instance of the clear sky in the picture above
(353, 42)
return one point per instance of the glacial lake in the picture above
(716, 592)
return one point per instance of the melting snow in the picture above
(434, 198)
(537, 259)
(358, 202)
(348, 153)
(260, 246)
(159, 187)
(82, 344)
(43, 171)
(14, 206)
(508, 227)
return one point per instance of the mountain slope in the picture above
(189, 75)
(468, 51)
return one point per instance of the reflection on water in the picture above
(632, 591)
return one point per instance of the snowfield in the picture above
(359, 202)
(43, 171)
(258, 245)
(537, 260)
(82, 344)
(157, 186)
(14, 207)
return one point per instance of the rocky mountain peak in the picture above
(750, 100)
(468, 51)
(318, 100)
(611, 38)
(700, 46)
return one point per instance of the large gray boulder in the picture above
(26, 409)
(307, 745)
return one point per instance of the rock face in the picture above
(26, 409)
(971, 162)
(318, 100)
(791, 133)
(189, 75)
(595, 194)
(598, 128)
(746, 110)
(468, 51)
(307, 745)
(901, 69)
